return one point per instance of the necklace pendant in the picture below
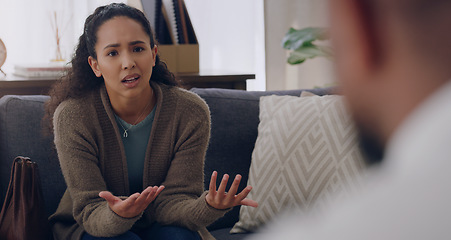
(125, 135)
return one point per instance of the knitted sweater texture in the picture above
(92, 159)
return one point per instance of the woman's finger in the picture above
(242, 200)
(249, 202)
(109, 197)
(234, 188)
(223, 185)
(213, 182)
(142, 199)
(130, 201)
(155, 192)
(151, 195)
(243, 194)
(159, 190)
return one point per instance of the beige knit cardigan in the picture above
(92, 159)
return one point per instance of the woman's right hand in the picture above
(133, 205)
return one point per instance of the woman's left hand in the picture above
(220, 199)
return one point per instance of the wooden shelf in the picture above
(16, 85)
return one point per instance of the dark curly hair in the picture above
(80, 79)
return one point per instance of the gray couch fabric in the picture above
(234, 129)
(234, 116)
(21, 134)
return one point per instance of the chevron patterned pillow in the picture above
(306, 155)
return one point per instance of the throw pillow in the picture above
(306, 154)
(307, 94)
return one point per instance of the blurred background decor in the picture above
(58, 28)
(303, 44)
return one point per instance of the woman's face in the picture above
(124, 58)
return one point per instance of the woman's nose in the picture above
(128, 62)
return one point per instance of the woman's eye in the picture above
(112, 53)
(138, 49)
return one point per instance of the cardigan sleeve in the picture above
(78, 153)
(183, 202)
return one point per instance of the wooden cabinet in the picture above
(15, 85)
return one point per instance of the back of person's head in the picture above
(425, 25)
(390, 56)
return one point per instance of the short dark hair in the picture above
(427, 24)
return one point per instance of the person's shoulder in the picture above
(189, 101)
(190, 98)
(74, 109)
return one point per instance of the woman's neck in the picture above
(134, 110)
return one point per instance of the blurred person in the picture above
(393, 64)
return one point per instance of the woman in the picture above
(130, 143)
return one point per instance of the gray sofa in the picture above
(234, 115)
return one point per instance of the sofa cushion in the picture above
(234, 122)
(224, 233)
(306, 154)
(22, 134)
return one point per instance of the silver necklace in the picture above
(125, 135)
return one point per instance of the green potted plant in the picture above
(303, 44)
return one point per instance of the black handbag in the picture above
(23, 213)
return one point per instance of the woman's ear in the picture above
(154, 53)
(94, 66)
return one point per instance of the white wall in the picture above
(234, 35)
(231, 36)
(279, 17)
(245, 36)
(25, 28)
(230, 33)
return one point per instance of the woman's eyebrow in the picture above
(113, 45)
(136, 42)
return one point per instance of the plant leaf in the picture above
(295, 39)
(303, 53)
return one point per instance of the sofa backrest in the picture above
(234, 129)
(21, 134)
(234, 116)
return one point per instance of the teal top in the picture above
(135, 145)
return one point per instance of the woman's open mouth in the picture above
(131, 80)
